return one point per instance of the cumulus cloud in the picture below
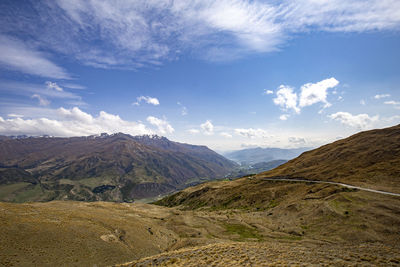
(72, 122)
(42, 100)
(252, 133)
(381, 96)
(149, 100)
(162, 125)
(360, 121)
(284, 117)
(16, 55)
(207, 127)
(286, 98)
(226, 135)
(131, 38)
(312, 93)
(268, 92)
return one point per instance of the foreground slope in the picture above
(67, 233)
(115, 167)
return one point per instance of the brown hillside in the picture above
(116, 167)
(370, 158)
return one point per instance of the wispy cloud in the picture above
(381, 96)
(132, 34)
(71, 122)
(18, 56)
(226, 135)
(193, 131)
(395, 103)
(53, 85)
(42, 100)
(252, 133)
(184, 110)
(47, 91)
(149, 100)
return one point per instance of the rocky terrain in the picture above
(116, 167)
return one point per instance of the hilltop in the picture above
(370, 158)
(116, 167)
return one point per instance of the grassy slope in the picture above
(370, 158)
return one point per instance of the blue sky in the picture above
(226, 74)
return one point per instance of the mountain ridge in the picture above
(72, 168)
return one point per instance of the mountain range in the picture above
(116, 167)
(258, 154)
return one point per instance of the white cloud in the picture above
(193, 131)
(252, 133)
(395, 103)
(42, 100)
(74, 86)
(297, 140)
(381, 96)
(72, 122)
(18, 56)
(286, 98)
(360, 121)
(226, 135)
(12, 115)
(163, 126)
(149, 100)
(136, 33)
(362, 102)
(27, 89)
(284, 117)
(53, 85)
(312, 93)
(268, 92)
(207, 127)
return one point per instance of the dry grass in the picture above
(369, 159)
(274, 254)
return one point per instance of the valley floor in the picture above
(325, 226)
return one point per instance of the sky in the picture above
(226, 74)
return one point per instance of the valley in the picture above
(290, 215)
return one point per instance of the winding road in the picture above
(333, 183)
